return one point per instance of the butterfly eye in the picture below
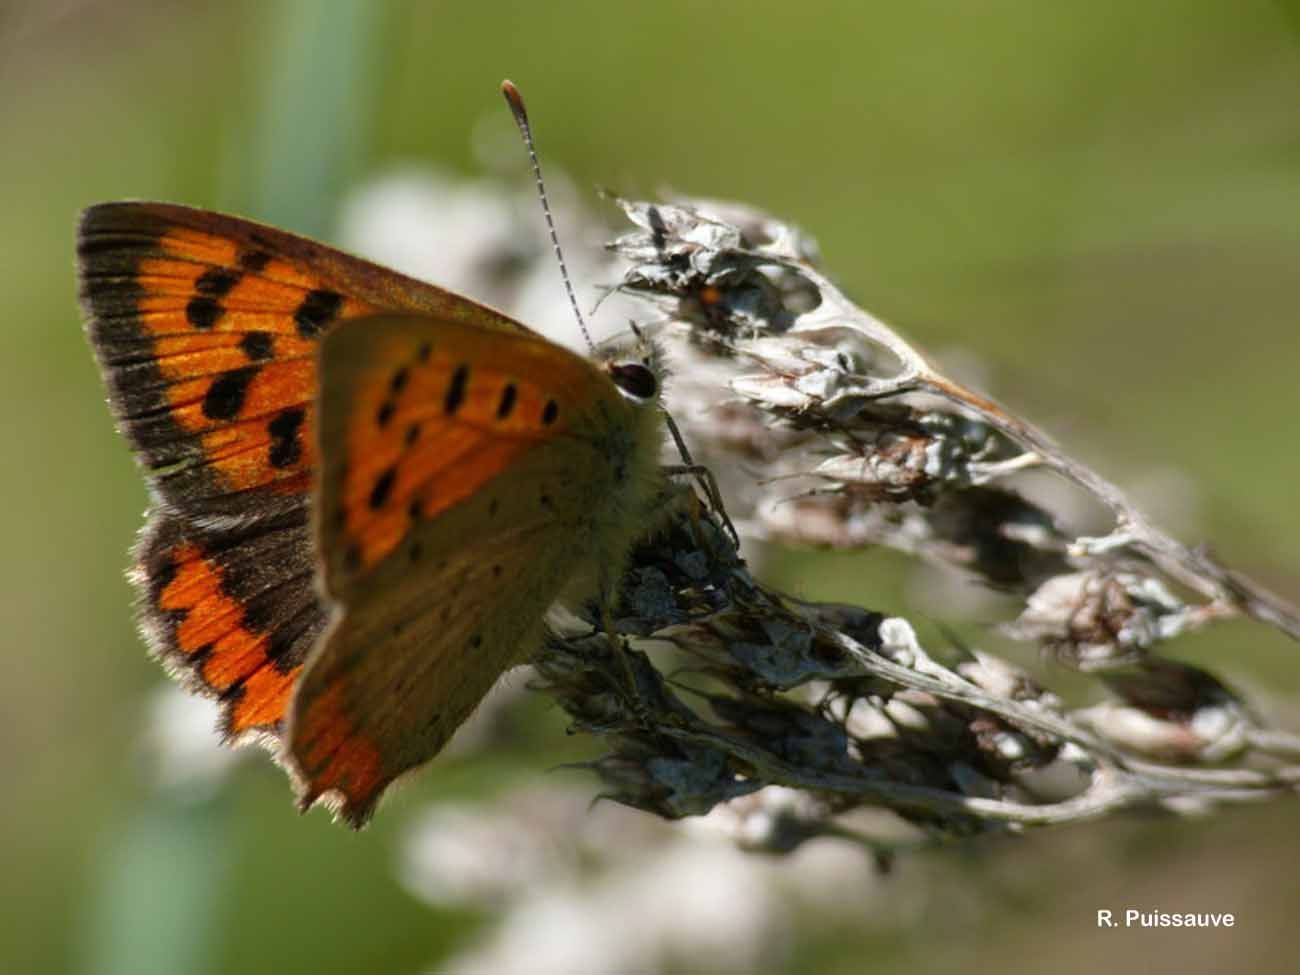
(634, 379)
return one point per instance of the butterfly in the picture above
(365, 490)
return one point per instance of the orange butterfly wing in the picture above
(467, 479)
(206, 327)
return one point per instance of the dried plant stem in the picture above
(1133, 529)
(779, 388)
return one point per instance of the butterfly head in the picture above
(636, 369)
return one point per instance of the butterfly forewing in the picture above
(462, 477)
(206, 329)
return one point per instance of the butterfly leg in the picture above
(608, 596)
(702, 474)
(705, 478)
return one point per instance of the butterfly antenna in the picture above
(516, 103)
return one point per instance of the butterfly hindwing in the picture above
(400, 669)
(233, 611)
(444, 547)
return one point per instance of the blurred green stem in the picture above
(158, 904)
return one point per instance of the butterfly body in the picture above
(367, 490)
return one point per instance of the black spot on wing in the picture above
(216, 282)
(254, 260)
(383, 488)
(204, 310)
(507, 403)
(286, 444)
(257, 345)
(225, 397)
(551, 412)
(456, 391)
(203, 313)
(317, 312)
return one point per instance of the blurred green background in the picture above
(1101, 201)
